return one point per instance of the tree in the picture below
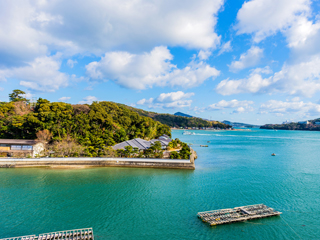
(175, 155)
(128, 151)
(17, 95)
(44, 136)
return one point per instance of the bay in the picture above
(128, 203)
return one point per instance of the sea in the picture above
(236, 169)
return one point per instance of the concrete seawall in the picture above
(99, 162)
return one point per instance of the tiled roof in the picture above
(137, 142)
(18, 141)
(142, 144)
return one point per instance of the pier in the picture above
(76, 234)
(237, 214)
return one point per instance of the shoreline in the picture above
(99, 162)
(249, 129)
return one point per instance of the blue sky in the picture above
(255, 61)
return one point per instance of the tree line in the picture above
(88, 129)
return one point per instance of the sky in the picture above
(255, 61)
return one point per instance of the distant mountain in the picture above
(177, 121)
(240, 125)
(182, 114)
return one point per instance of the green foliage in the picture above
(184, 152)
(92, 126)
(17, 95)
(175, 155)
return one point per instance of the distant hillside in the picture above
(182, 115)
(240, 125)
(311, 126)
(178, 121)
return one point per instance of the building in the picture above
(286, 122)
(304, 122)
(20, 148)
(317, 123)
(143, 144)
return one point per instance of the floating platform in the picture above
(76, 234)
(238, 214)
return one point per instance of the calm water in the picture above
(119, 203)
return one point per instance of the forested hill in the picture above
(311, 126)
(92, 126)
(178, 121)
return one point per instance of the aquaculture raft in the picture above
(79, 234)
(238, 214)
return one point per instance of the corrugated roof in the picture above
(18, 141)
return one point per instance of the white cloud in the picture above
(253, 84)
(249, 59)
(141, 71)
(204, 55)
(238, 106)
(226, 47)
(301, 79)
(27, 95)
(303, 39)
(63, 99)
(290, 107)
(41, 74)
(71, 63)
(266, 17)
(177, 99)
(88, 100)
(173, 96)
(31, 29)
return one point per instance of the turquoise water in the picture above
(120, 203)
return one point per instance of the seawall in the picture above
(99, 162)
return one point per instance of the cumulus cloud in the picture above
(41, 74)
(253, 84)
(248, 59)
(63, 99)
(301, 79)
(141, 71)
(30, 29)
(263, 18)
(177, 99)
(226, 47)
(88, 100)
(238, 106)
(303, 38)
(290, 107)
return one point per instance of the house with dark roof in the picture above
(143, 144)
(20, 148)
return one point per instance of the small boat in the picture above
(208, 141)
(188, 133)
(203, 145)
(273, 154)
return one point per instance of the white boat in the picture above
(188, 133)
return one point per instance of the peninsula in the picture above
(308, 125)
(112, 132)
